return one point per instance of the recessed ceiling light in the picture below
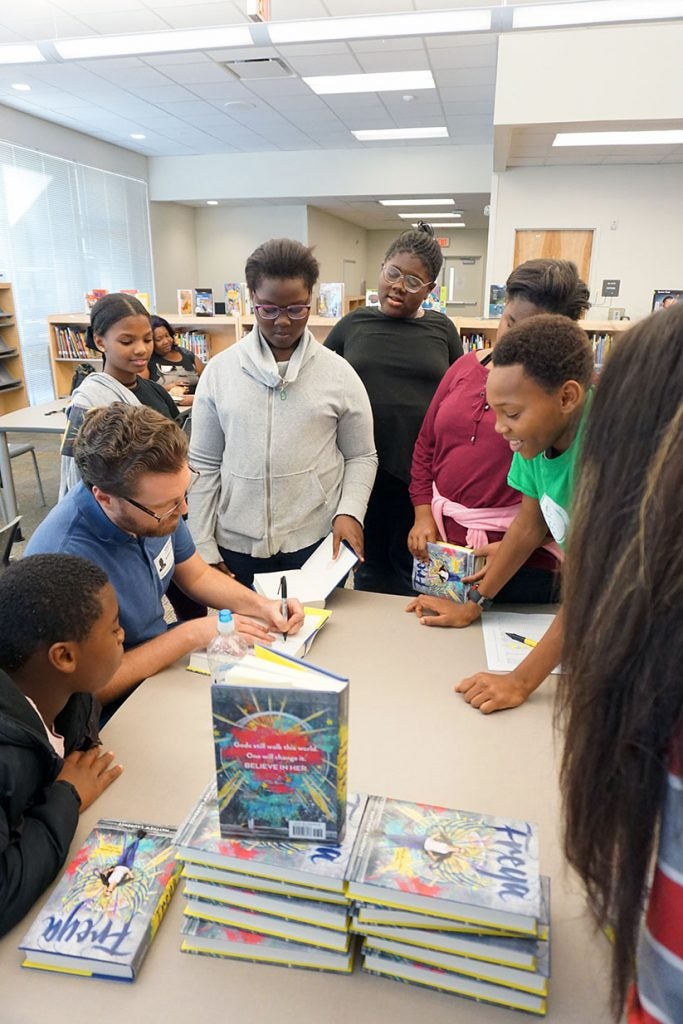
(426, 216)
(671, 137)
(415, 23)
(153, 42)
(137, 135)
(381, 134)
(212, 202)
(417, 202)
(20, 54)
(238, 105)
(21, 86)
(446, 224)
(408, 98)
(380, 81)
(594, 12)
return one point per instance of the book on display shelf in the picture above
(203, 301)
(185, 298)
(331, 300)
(233, 298)
(441, 575)
(214, 939)
(280, 745)
(104, 912)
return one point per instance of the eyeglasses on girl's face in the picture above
(163, 516)
(392, 275)
(270, 312)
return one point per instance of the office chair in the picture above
(14, 451)
(8, 535)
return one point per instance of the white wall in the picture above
(174, 252)
(644, 201)
(335, 241)
(382, 170)
(226, 235)
(34, 133)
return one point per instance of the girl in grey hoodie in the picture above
(282, 432)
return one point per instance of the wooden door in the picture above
(558, 245)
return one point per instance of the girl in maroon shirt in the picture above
(459, 452)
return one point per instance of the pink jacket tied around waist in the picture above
(478, 520)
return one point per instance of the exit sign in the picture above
(444, 242)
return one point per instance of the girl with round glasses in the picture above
(400, 351)
(282, 432)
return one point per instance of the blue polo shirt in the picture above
(140, 568)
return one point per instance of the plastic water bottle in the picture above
(227, 647)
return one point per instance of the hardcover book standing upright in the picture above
(281, 749)
(108, 904)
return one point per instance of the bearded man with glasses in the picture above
(126, 515)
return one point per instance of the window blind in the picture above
(66, 228)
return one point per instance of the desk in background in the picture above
(410, 737)
(48, 418)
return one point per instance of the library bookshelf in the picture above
(204, 335)
(13, 394)
(480, 333)
(319, 326)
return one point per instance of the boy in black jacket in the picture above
(60, 641)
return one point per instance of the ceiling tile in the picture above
(118, 21)
(464, 57)
(449, 78)
(344, 8)
(466, 39)
(164, 93)
(375, 45)
(198, 15)
(311, 49)
(196, 74)
(331, 64)
(390, 60)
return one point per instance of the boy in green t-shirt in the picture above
(539, 389)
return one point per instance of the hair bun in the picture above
(427, 228)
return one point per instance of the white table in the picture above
(47, 418)
(410, 737)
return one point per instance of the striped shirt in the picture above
(657, 997)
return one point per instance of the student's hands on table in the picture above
(90, 772)
(441, 611)
(349, 529)
(491, 691)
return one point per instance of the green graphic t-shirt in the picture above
(551, 481)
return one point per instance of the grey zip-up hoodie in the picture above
(279, 457)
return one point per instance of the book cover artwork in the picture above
(203, 302)
(450, 855)
(443, 572)
(185, 301)
(199, 839)
(233, 298)
(331, 300)
(280, 756)
(108, 904)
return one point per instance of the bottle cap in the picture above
(225, 621)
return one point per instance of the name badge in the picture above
(165, 562)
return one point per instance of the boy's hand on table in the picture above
(90, 772)
(441, 611)
(491, 691)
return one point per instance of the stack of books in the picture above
(452, 900)
(278, 902)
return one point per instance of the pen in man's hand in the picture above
(283, 600)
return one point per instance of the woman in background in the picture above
(460, 463)
(176, 368)
(621, 699)
(282, 432)
(400, 352)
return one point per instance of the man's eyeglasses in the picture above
(269, 312)
(392, 275)
(174, 508)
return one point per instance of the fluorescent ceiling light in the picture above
(212, 202)
(380, 81)
(671, 137)
(153, 42)
(417, 202)
(137, 135)
(21, 86)
(426, 216)
(416, 23)
(437, 224)
(593, 12)
(20, 54)
(379, 134)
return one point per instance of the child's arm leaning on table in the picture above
(491, 691)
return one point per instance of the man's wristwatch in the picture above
(473, 595)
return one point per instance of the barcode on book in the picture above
(307, 830)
